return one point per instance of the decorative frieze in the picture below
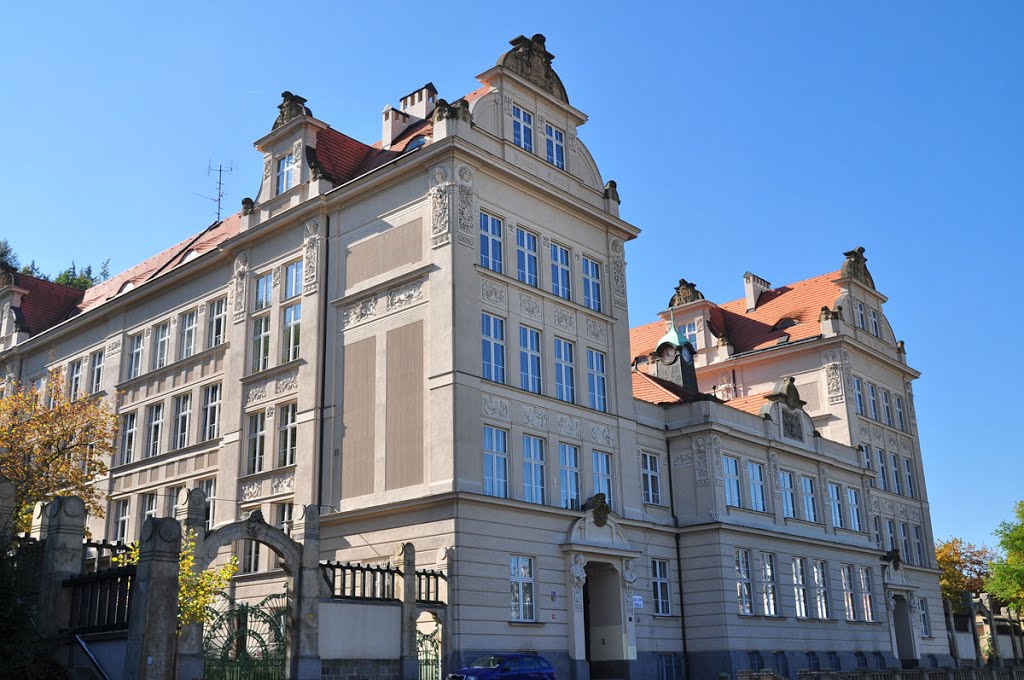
(404, 295)
(496, 407)
(440, 206)
(252, 490)
(716, 459)
(602, 434)
(617, 251)
(833, 376)
(311, 257)
(282, 483)
(565, 319)
(597, 331)
(681, 459)
(568, 426)
(534, 417)
(494, 293)
(467, 212)
(238, 286)
(701, 461)
(256, 393)
(530, 306)
(113, 347)
(391, 300)
(286, 382)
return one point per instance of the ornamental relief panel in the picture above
(467, 213)
(531, 416)
(565, 319)
(238, 286)
(390, 300)
(617, 251)
(496, 407)
(311, 257)
(530, 306)
(568, 426)
(701, 461)
(602, 434)
(440, 205)
(286, 382)
(494, 293)
(716, 459)
(597, 330)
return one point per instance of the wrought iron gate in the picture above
(247, 641)
(428, 650)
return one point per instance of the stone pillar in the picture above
(7, 518)
(153, 610)
(62, 559)
(39, 522)
(190, 511)
(968, 601)
(995, 659)
(405, 560)
(310, 587)
(947, 616)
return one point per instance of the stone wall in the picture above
(361, 669)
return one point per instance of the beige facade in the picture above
(462, 382)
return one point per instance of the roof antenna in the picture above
(221, 170)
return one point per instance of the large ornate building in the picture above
(428, 337)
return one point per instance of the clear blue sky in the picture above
(768, 136)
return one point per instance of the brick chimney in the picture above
(753, 286)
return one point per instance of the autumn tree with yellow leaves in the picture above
(52, 444)
(965, 567)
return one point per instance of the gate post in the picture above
(304, 650)
(190, 511)
(62, 558)
(7, 518)
(153, 610)
(405, 559)
(39, 522)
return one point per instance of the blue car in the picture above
(506, 667)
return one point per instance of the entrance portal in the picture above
(904, 632)
(602, 620)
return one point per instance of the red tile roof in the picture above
(341, 157)
(657, 390)
(643, 338)
(46, 304)
(751, 403)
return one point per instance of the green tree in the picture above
(8, 258)
(964, 568)
(1007, 580)
(34, 271)
(77, 279)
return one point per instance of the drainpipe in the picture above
(679, 557)
(324, 361)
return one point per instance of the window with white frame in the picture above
(908, 467)
(560, 275)
(495, 462)
(872, 401)
(285, 176)
(287, 434)
(189, 323)
(261, 343)
(522, 128)
(875, 328)
(591, 284)
(521, 582)
(569, 476)
(555, 146)
(216, 322)
(660, 588)
(849, 596)
(75, 379)
(161, 344)
(172, 498)
(135, 356)
(148, 506)
(810, 505)
(291, 326)
(926, 622)
(883, 475)
(96, 380)
(490, 242)
(890, 530)
(526, 257)
(529, 359)
(154, 429)
(856, 520)
(859, 308)
(901, 421)
(597, 387)
(283, 513)
(293, 280)
(492, 350)
(756, 473)
(858, 396)
(821, 597)
(122, 520)
(867, 601)
(922, 558)
(533, 469)
(182, 419)
(688, 332)
(769, 585)
(257, 442)
(897, 486)
(209, 487)
(876, 523)
(886, 407)
(907, 556)
(565, 371)
(603, 475)
(800, 586)
(650, 468)
(835, 500)
(250, 562)
(264, 295)
(731, 475)
(211, 412)
(744, 583)
(788, 493)
(128, 428)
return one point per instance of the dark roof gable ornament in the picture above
(786, 392)
(291, 106)
(530, 59)
(856, 267)
(686, 293)
(599, 506)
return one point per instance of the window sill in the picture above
(555, 400)
(273, 371)
(814, 620)
(552, 297)
(170, 368)
(526, 623)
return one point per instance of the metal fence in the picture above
(428, 586)
(354, 581)
(916, 674)
(99, 555)
(100, 600)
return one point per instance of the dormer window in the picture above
(285, 174)
(688, 332)
(416, 142)
(522, 129)
(785, 322)
(859, 307)
(875, 329)
(555, 146)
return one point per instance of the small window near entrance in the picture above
(755, 661)
(669, 667)
(926, 622)
(879, 660)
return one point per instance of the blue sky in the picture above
(768, 136)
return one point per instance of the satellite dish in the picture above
(667, 353)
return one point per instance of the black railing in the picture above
(428, 586)
(26, 564)
(962, 623)
(99, 600)
(354, 581)
(99, 555)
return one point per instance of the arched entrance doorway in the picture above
(604, 632)
(903, 624)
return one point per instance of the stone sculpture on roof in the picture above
(856, 267)
(530, 59)
(291, 106)
(685, 293)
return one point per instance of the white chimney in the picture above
(753, 286)
(420, 103)
(393, 124)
